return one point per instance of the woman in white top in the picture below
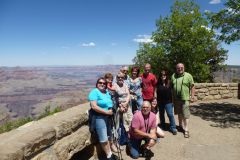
(122, 94)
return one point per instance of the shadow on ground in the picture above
(224, 115)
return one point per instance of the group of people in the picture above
(139, 103)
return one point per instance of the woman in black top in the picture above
(164, 98)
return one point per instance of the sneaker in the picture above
(113, 148)
(147, 153)
(113, 157)
(174, 132)
(121, 147)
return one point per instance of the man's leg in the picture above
(178, 111)
(186, 123)
(180, 121)
(146, 152)
(135, 148)
(186, 116)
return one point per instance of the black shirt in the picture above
(164, 94)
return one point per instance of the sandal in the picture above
(186, 134)
(180, 129)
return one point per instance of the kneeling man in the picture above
(143, 127)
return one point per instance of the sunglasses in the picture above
(104, 83)
(120, 77)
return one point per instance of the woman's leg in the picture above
(161, 114)
(127, 119)
(106, 148)
(169, 110)
(102, 132)
(133, 104)
(139, 102)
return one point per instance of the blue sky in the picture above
(83, 32)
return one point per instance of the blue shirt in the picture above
(103, 100)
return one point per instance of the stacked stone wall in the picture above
(62, 135)
(57, 137)
(215, 91)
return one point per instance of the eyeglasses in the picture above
(179, 67)
(125, 70)
(120, 77)
(163, 75)
(104, 83)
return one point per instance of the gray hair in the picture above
(147, 103)
(120, 74)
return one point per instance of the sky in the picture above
(84, 32)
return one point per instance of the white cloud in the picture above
(215, 1)
(91, 44)
(143, 39)
(207, 11)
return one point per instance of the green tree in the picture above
(183, 37)
(227, 21)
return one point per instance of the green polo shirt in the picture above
(181, 86)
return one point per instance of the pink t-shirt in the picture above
(138, 122)
(148, 85)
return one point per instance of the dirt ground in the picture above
(214, 134)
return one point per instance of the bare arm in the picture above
(97, 109)
(151, 135)
(192, 92)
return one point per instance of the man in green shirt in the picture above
(183, 94)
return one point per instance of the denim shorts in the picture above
(103, 127)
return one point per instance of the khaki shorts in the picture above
(182, 108)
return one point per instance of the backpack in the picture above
(122, 134)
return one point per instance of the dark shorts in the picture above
(182, 108)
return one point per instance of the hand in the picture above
(121, 108)
(192, 99)
(152, 136)
(110, 112)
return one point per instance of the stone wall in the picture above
(62, 135)
(57, 137)
(215, 91)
